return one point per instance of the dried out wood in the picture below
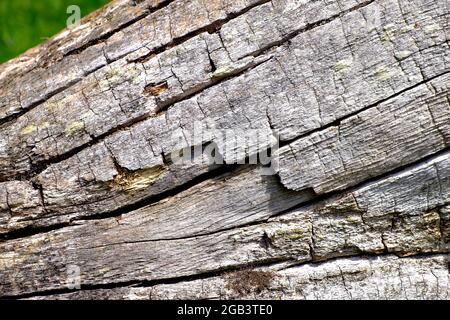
(386, 277)
(350, 95)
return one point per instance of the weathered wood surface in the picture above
(355, 91)
(386, 277)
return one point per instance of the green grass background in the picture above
(26, 23)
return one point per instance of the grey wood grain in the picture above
(349, 97)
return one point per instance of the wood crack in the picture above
(108, 35)
(275, 265)
(336, 123)
(150, 283)
(222, 170)
(257, 150)
(209, 28)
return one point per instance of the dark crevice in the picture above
(211, 174)
(212, 64)
(329, 196)
(221, 272)
(37, 168)
(37, 186)
(214, 173)
(321, 198)
(104, 37)
(365, 255)
(78, 50)
(228, 169)
(211, 28)
(31, 231)
(109, 34)
(167, 160)
(217, 25)
(265, 241)
(337, 122)
(154, 89)
(33, 105)
(162, 107)
(312, 244)
(287, 39)
(150, 283)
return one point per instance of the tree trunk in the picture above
(128, 153)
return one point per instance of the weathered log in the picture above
(350, 96)
(386, 277)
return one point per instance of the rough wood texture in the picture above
(386, 277)
(354, 93)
